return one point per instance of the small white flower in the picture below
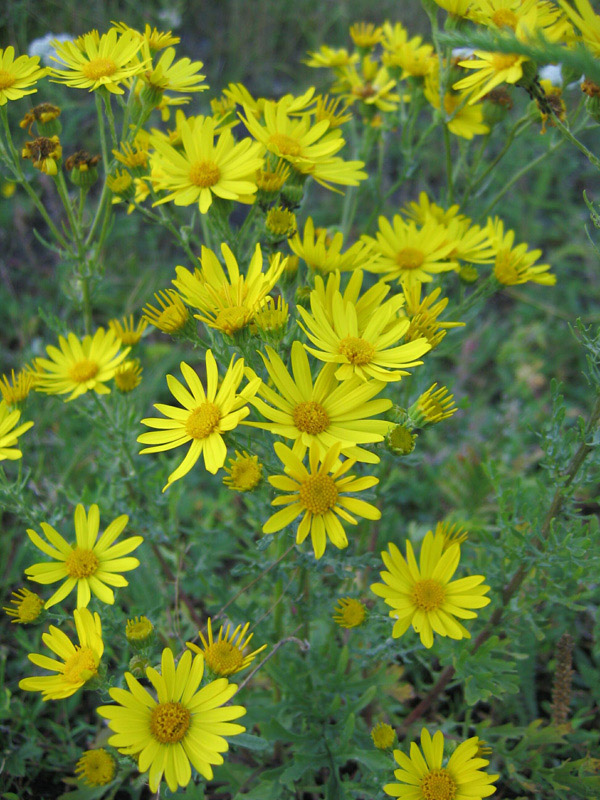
(43, 47)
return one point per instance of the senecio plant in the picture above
(302, 366)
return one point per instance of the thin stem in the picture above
(111, 119)
(570, 137)
(449, 178)
(303, 645)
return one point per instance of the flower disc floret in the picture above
(96, 767)
(225, 655)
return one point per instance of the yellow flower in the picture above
(318, 494)
(27, 607)
(423, 315)
(491, 69)
(41, 114)
(588, 22)
(126, 331)
(516, 265)
(271, 180)
(424, 595)
(433, 406)
(225, 655)
(95, 63)
(90, 563)
(383, 736)
(523, 16)
(329, 108)
(422, 776)
(350, 613)
(96, 767)
(204, 168)
(172, 316)
(365, 34)
(410, 55)
(463, 119)
(366, 347)
(9, 433)
(120, 183)
(17, 75)
(80, 366)
(320, 414)
(204, 418)
(128, 375)
(272, 318)
(181, 76)
(324, 254)
(227, 302)
(134, 157)
(308, 148)
(78, 664)
(44, 152)
(155, 39)
(373, 85)
(16, 388)
(410, 254)
(453, 533)
(244, 473)
(280, 222)
(330, 58)
(458, 8)
(139, 630)
(183, 725)
(424, 209)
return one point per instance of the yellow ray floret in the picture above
(515, 264)
(323, 253)
(9, 432)
(424, 776)
(225, 655)
(91, 564)
(78, 663)
(319, 495)
(182, 727)
(205, 417)
(424, 596)
(18, 75)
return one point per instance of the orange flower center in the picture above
(99, 68)
(356, 350)
(310, 417)
(223, 658)
(204, 173)
(83, 371)
(81, 563)
(318, 493)
(81, 666)
(285, 144)
(169, 722)
(410, 258)
(203, 421)
(428, 595)
(6, 79)
(438, 785)
(504, 17)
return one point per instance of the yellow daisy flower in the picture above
(227, 302)
(172, 316)
(80, 366)
(204, 418)
(535, 15)
(323, 413)
(183, 725)
(319, 495)
(9, 433)
(350, 612)
(410, 55)
(515, 264)
(204, 168)
(17, 75)
(128, 375)
(433, 406)
(139, 631)
(329, 108)
(308, 148)
(463, 119)
(93, 63)
(224, 655)
(126, 331)
(423, 315)
(588, 22)
(365, 34)
(27, 607)
(181, 76)
(90, 563)
(491, 69)
(79, 663)
(424, 209)
(244, 473)
(271, 319)
(373, 85)
(411, 254)
(383, 736)
(331, 58)
(96, 767)
(424, 595)
(155, 39)
(422, 776)
(368, 349)
(323, 253)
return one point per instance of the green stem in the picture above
(111, 120)
(570, 137)
(449, 178)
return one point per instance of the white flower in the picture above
(43, 48)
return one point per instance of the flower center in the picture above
(223, 658)
(6, 79)
(505, 269)
(169, 722)
(357, 351)
(230, 320)
(246, 474)
(310, 417)
(285, 144)
(318, 493)
(438, 785)
(203, 420)
(204, 173)
(83, 371)
(410, 258)
(29, 608)
(428, 595)
(501, 61)
(172, 319)
(81, 563)
(99, 68)
(97, 767)
(505, 17)
(354, 613)
(81, 666)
